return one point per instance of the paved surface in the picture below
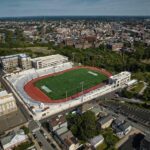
(42, 136)
(126, 137)
(132, 112)
(35, 142)
(12, 120)
(135, 124)
(51, 138)
(136, 101)
(143, 89)
(19, 104)
(45, 144)
(133, 143)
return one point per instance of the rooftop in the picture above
(11, 135)
(6, 97)
(51, 58)
(121, 75)
(105, 119)
(96, 140)
(61, 130)
(14, 56)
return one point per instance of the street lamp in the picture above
(73, 55)
(82, 84)
(66, 95)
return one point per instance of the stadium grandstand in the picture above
(99, 81)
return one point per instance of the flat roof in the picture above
(51, 58)
(120, 75)
(3, 93)
(96, 140)
(15, 55)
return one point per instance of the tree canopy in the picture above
(82, 126)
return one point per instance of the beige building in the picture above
(11, 62)
(117, 46)
(47, 61)
(105, 122)
(120, 79)
(7, 103)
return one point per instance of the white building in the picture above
(47, 61)
(13, 139)
(120, 79)
(7, 103)
(96, 141)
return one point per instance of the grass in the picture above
(137, 88)
(69, 83)
(102, 146)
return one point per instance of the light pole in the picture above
(82, 84)
(73, 55)
(66, 95)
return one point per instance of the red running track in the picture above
(37, 95)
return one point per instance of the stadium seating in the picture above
(20, 79)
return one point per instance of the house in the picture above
(86, 106)
(61, 130)
(105, 122)
(96, 141)
(119, 133)
(57, 122)
(145, 143)
(125, 127)
(117, 122)
(96, 110)
(121, 127)
(13, 139)
(70, 142)
(117, 46)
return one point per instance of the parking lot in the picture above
(133, 113)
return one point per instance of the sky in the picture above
(14, 8)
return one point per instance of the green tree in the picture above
(82, 126)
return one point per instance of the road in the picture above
(124, 139)
(143, 89)
(40, 137)
(51, 138)
(136, 101)
(45, 144)
(19, 104)
(137, 125)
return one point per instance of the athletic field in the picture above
(69, 83)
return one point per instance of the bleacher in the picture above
(19, 80)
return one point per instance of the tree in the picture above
(146, 94)
(82, 126)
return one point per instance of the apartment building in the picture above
(47, 61)
(7, 103)
(11, 62)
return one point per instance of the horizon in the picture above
(31, 8)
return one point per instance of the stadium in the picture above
(54, 84)
(66, 85)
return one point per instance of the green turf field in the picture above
(56, 86)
